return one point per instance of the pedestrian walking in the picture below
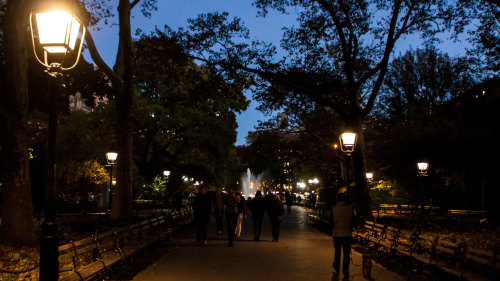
(343, 223)
(289, 201)
(242, 214)
(258, 208)
(201, 210)
(231, 201)
(218, 205)
(276, 211)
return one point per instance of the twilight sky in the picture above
(175, 14)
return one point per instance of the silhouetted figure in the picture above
(289, 201)
(276, 211)
(201, 209)
(313, 201)
(179, 198)
(231, 201)
(258, 207)
(343, 215)
(218, 205)
(242, 214)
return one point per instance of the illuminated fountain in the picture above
(250, 183)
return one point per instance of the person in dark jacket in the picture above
(258, 208)
(201, 210)
(343, 215)
(276, 211)
(231, 202)
(218, 205)
(289, 201)
(242, 214)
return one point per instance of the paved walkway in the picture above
(302, 253)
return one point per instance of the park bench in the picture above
(92, 256)
(320, 216)
(449, 256)
(378, 235)
(313, 217)
(467, 213)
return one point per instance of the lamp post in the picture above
(57, 35)
(313, 182)
(423, 168)
(369, 177)
(111, 160)
(348, 141)
(301, 185)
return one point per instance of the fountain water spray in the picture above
(250, 183)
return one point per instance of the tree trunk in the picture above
(361, 194)
(122, 199)
(17, 226)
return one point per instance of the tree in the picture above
(485, 37)
(17, 226)
(423, 109)
(185, 114)
(24, 107)
(308, 147)
(121, 77)
(337, 57)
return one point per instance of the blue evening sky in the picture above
(175, 14)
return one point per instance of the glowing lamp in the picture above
(423, 168)
(348, 142)
(57, 33)
(111, 157)
(369, 177)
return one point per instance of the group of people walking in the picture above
(232, 205)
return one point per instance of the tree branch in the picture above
(495, 2)
(96, 57)
(385, 60)
(379, 65)
(133, 3)
(342, 37)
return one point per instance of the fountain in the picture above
(250, 183)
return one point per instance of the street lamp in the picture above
(369, 177)
(348, 141)
(314, 182)
(423, 168)
(166, 173)
(111, 160)
(57, 34)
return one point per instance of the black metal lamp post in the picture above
(57, 36)
(348, 141)
(423, 168)
(111, 160)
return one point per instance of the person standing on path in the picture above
(343, 216)
(276, 211)
(258, 208)
(201, 210)
(218, 205)
(289, 201)
(242, 214)
(231, 201)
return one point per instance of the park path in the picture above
(302, 253)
